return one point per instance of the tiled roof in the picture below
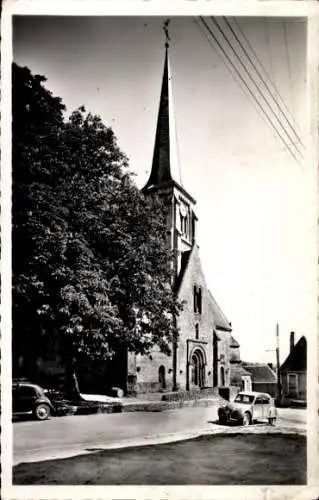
(236, 373)
(297, 359)
(261, 372)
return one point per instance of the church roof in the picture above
(184, 263)
(233, 342)
(220, 319)
(297, 359)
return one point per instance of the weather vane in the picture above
(165, 29)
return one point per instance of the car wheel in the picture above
(42, 412)
(222, 420)
(246, 419)
(271, 421)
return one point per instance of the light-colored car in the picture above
(247, 407)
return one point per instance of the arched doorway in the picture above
(198, 368)
(161, 377)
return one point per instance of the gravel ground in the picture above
(239, 458)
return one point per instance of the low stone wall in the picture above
(190, 395)
(156, 406)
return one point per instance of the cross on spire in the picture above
(165, 29)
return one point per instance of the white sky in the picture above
(251, 195)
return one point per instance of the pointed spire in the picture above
(165, 167)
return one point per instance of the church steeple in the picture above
(165, 177)
(165, 165)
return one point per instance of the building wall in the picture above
(269, 387)
(187, 321)
(223, 357)
(288, 392)
(146, 368)
(147, 372)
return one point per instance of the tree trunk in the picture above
(71, 381)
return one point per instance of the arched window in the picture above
(222, 376)
(197, 299)
(161, 377)
(197, 331)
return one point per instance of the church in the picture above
(201, 357)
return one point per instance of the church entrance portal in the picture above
(198, 369)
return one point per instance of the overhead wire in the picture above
(226, 62)
(292, 141)
(243, 81)
(284, 28)
(239, 29)
(276, 101)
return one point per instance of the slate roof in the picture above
(184, 263)
(261, 372)
(297, 359)
(220, 319)
(233, 342)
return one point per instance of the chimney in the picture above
(292, 341)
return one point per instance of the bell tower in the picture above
(165, 177)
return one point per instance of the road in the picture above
(69, 436)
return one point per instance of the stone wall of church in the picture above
(154, 372)
(195, 328)
(223, 358)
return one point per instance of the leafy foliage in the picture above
(90, 256)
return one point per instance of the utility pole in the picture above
(278, 364)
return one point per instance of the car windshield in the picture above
(244, 398)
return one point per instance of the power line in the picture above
(284, 28)
(255, 84)
(264, 82)
(248, 88)
(226, 62)
(263, 69)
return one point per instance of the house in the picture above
(293, 373)
(263, 378)
(240, 378)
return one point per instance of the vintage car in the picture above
(247, 407)
(31, 399)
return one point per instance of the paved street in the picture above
(69, 436)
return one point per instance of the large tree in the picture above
(90, 253)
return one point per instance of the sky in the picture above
(254, 220)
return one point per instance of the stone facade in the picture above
(202, 354)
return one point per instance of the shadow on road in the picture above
(256, 423)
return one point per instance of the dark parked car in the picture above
(31, 399)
